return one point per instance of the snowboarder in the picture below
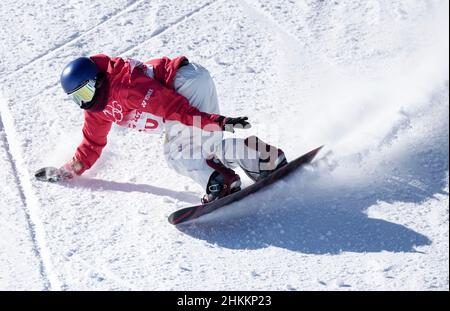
(170, 95)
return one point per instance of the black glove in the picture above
(229, 124)
(52, 174)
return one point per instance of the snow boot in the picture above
(270, 158)
(223, 181)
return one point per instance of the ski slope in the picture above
(369, 79)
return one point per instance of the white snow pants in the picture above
(186, 148)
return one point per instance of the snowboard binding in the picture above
(223, 182)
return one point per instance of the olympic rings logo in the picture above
(116, 111)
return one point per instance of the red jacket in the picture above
(131, 98)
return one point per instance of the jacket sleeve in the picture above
(95, 132)
(171, 106)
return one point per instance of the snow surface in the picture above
(369, 79)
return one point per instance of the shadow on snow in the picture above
(297, 215)
(99, 184)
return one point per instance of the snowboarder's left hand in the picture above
(229, 124)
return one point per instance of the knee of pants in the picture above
(196, 84)
(233, 153)
(197, 170)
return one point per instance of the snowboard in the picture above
(197, 211)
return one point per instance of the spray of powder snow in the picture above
(386, 130)
(355, 109)
(384, 124)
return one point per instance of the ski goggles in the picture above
(84, 93)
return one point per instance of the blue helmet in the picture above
(77, 73)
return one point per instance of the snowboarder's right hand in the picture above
(229, 124)
(66, 172)
(52, 174)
